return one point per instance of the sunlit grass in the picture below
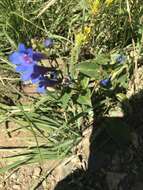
(80, 31)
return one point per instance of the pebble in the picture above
(13, 176)
(16, 187)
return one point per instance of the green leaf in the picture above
(65, 99)
(123, 80)
(85, 82)
(102, 59)
(121, 97)
(93, 67)
(116, 73)
(85, 99)
(76, 117)
(89, 68)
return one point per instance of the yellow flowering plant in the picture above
(94, 6)
(108, 2)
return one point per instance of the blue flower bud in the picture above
(48, 42)
(105, 82)
(121, 59)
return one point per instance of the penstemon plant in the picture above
(94, 49)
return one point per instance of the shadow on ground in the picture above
(116, 153)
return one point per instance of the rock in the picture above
(16, 187)
(13, 176)
(1, 186)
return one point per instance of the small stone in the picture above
(44, 184)
(13, 176)
(1, 186)
(16, 187)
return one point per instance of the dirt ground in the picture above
(37, 176)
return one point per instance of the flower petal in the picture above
(48, 42)
(37, 56)
(41, 89)
(120, 59)
(35, 80)
(29, 51)
(16, 58)
(20, 68)
(105, 82)
(26, 76)
(24, 68)
(21, 48)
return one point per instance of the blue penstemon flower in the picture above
(48, 42)
(25, 60)
(105, 82)
(45, 82)
(22, 56)
(39, 71)
(121, 59)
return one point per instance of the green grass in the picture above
(56, 120)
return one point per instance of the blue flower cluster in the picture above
(120, 59)
(26, 61)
